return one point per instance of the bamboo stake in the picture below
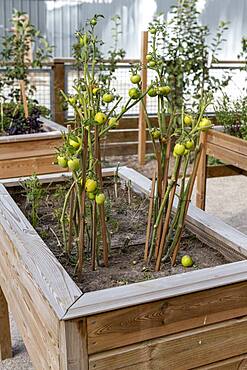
(188, 198)
(71, 212)
(94, 226)
(163, 186)
(82, 208)
(24, 98)
(202, 174)
(101, 206)
(167, 221)
(142, 123)
(150, 212)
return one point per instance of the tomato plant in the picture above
(97, 109)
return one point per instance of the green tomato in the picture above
(93, 22)
(149, 57)
(91, 196)
(189, 144)
(179, 149)
(100, 118)
(96, 90)
(72, 100)
(156, 133)
(152, 31)
(164, 90)
(187, 120)
(152, 92)
(75, 142)
(187, 261)
(113, 122)
(74, 164)
(108, 98)
(134, 93)
(205, 124)
(135, 79)
(62, 161)
(90, 185)
(100, 198)
(152, 63)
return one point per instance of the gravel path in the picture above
(226, 198)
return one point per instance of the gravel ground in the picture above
(226, 198)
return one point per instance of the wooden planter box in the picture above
(229, 149)
(23, 155)
(192, 320)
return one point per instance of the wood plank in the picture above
(36, 320)
(28, 166)
(149, 291)
(234, 363)
(49, 276)
(152, 320)
(120, 135)
(73, 345)
(123, 148)
(227, 141)
(222, 170)
(5, 336)
(53, 177)
(227, 155)
(34, 148)
(187, 350)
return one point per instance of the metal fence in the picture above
(42, 79)
(48, 83)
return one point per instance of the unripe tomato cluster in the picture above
(163, 90)
(91, 189)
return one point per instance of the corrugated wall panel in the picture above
(58, 20)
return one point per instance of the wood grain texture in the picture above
(73, 345)
(29, 165)
(149, 291)
(234, 363)
(48, 276)
(147, 321)
(227, 156)
(5, 336)
(227, 141)
(186, 350)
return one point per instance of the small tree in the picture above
(182, 42)
(15, 55)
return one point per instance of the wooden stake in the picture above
(82, 210)
(94, 234)
(188, 198)
(150, 213)
(166, 222)
(5, 336)
(202, 173)
(162, 185)
(24, 98)
(71, 213)
(101, 207)
(142, 120)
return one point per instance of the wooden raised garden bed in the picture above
(229, 149)
(192, 320)
(23, 155)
